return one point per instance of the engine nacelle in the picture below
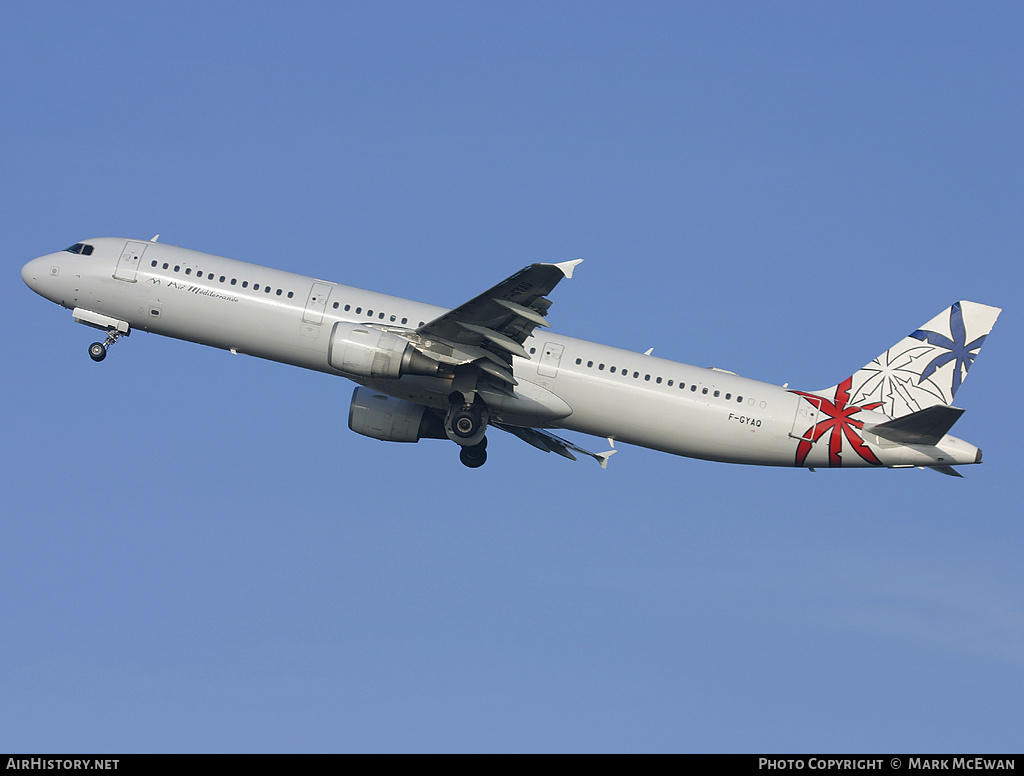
(389, 419)
(357, 349)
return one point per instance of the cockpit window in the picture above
(82, 248)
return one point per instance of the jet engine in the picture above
(358, 349)
(383, 417)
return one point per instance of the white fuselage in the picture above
(609, 392)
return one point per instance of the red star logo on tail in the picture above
(839, 423)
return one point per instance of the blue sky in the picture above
(197, 555)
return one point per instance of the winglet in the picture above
(568, 266)
(602, 458)
(155, 238)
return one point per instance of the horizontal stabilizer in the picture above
(948, 470)
(924, 427)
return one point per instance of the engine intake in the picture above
(357, 349)
(383, 417)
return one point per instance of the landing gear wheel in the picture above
(98, 350)
(474, 456)
(466, 423)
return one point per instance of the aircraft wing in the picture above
(549, 443)
(500, 319)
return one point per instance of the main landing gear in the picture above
(465, 424)
(98, 350)
(474, 456)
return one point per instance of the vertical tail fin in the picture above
(927, 367)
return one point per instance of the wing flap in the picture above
(502, 373)
(497, 339)
(524, 312)
(503, 316)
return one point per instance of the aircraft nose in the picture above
(32, 272)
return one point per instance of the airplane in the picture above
(427, 372)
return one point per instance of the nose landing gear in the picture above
(98, 350)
